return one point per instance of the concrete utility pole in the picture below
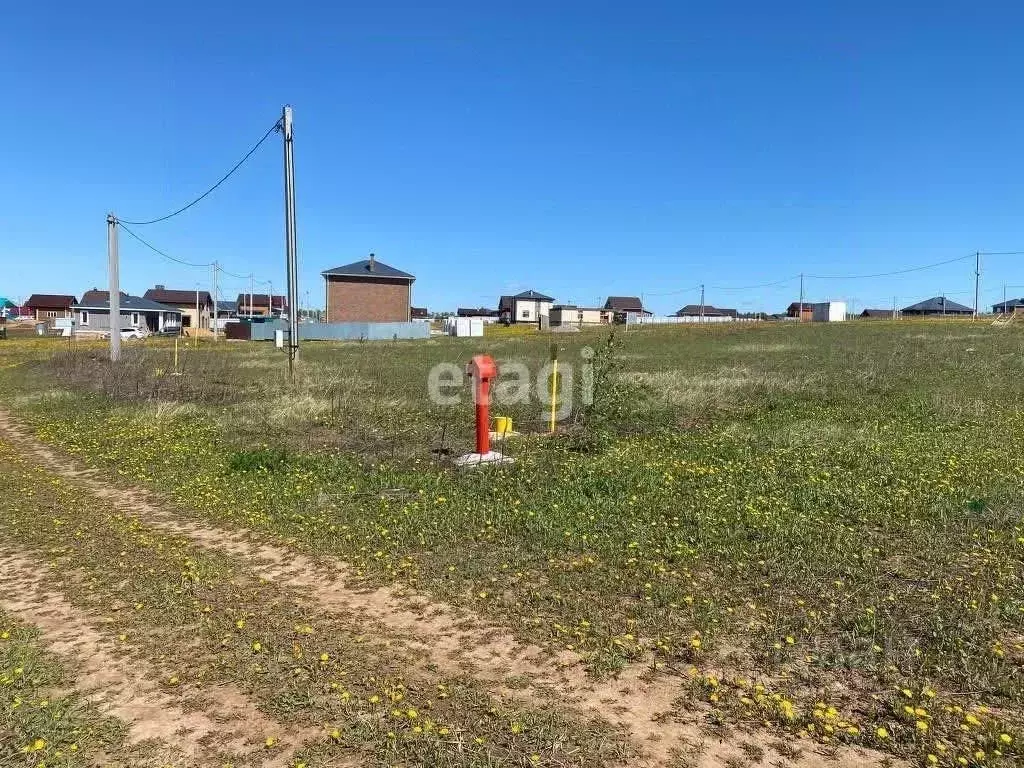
(702, 302)
(270, 299)
(800, 317)
(215, 294)
(1004, 300)
(252, 287)
(977, 280)
(115, 289)
(291, 249)
(893, 307)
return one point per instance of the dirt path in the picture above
(454, 643)
(127, 689)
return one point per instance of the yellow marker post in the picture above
(554, 385)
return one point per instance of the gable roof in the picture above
(938, 305)
(505, 304)
(795, 307)
(94, 295)
(532, 296)
(61, 300)
(624, 304)
(132, 303)
(260, 301)
(174, 296)
(709, 311)
(227, 306)
(475, 312)
(1008, 304)
(876, 313)
(369, 268)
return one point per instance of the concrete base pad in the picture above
(477, 459)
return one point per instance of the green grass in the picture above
(832, 513)
(41, 722)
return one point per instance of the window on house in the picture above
(84, 320)
(135, 318)
(525, 314)
(49, 313)
(186, 321)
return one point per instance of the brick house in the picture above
(48, 306)
(368, 291)
(262, 304)
(187, 301)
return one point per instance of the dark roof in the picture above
(94, 295)
(709, 311)
(128, 302)
(260, 301)
(477, 312)
(505, 304)
(418, 312)
(174, 296)
(876, 313)
(624, 304)
(938, 305)
(532, 296)
(50, 300)
(565, 306)
(369, 268)
(795, 307)
(1009, 304)
(227, 306)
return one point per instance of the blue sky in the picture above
(578, 149)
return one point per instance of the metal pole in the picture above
(702, 302)
(114, 303)
(290, 237)
(199, 321)
(270, 299)
(215, 294)
(1004, 300)
(252, 287)
(977, 280)
(800, 317)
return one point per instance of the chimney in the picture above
(373, 263)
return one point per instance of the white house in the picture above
(525, 307)
(828, 312)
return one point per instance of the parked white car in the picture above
(133, 333)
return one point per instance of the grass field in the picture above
(763, 545)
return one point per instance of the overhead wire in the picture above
(158, 251)
(894, 272)
(224, 178)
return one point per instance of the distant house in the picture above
(484, 312)
(196, 306)
(803, 310)
(49, 306)
(623, 305)
(694, 310)
(877, 314)
(93, 315)
(937, 305)
(572, 316)
(368, 291)
(419, 313)
(1009, 307)
(261, 305)
(525, 307)
(227, 309)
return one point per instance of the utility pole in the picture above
(199, 318)
(252, 287)
(1004, 300)
(800, 317)
(115, 289)
(893, 307)
(270, 299)
(702, 302)
(291, 250)
(977, 280)
(215, 295)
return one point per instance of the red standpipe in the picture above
(482, 369)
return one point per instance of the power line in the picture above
(674, 293)
(224, 178)
(752, 287)
(158, 251)
(232, 274)
(895, 272)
